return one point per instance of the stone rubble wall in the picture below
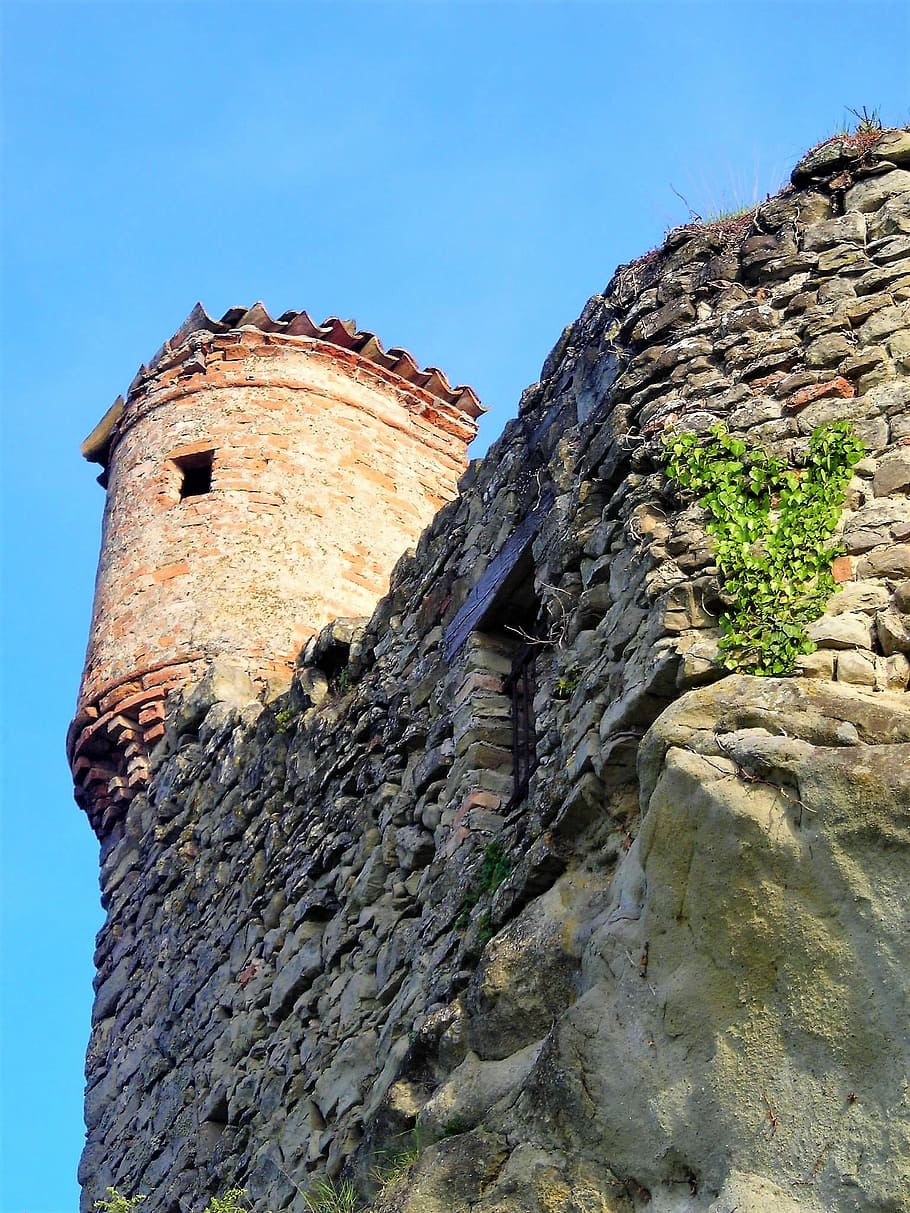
(332, 936)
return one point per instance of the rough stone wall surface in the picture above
(672, 974)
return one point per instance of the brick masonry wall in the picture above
(304, 958)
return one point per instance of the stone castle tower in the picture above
(591, 922)
(262, 478)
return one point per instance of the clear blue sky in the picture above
(458, 177)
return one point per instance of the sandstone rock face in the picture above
(741, 1023)
(586, 925)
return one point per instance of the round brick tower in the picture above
(262, 477)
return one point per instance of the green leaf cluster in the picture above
(493, 871)
(495, 868)
(772, 527)
(566, 685)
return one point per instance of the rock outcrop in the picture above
(633, 933)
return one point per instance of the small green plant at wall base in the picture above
(342, 682)
(329, 1197)
(395, 1164)
(772, 527)
(116, 1202)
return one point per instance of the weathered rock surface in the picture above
(765, 1030)
(669, 970)
(739, 1032)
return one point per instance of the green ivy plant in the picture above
(772, 528)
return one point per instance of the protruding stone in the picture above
(894, 672)
(819, 664)
(894, 145)
(892, 562)
(868, 596)
(856, 668)
(846, 229)
(847, 631)
(892, 475)
(893, 631)
(872, 192)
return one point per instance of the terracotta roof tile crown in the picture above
(343, 333)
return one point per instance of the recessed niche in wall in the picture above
(508, 636)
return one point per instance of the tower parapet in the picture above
(262, 478)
